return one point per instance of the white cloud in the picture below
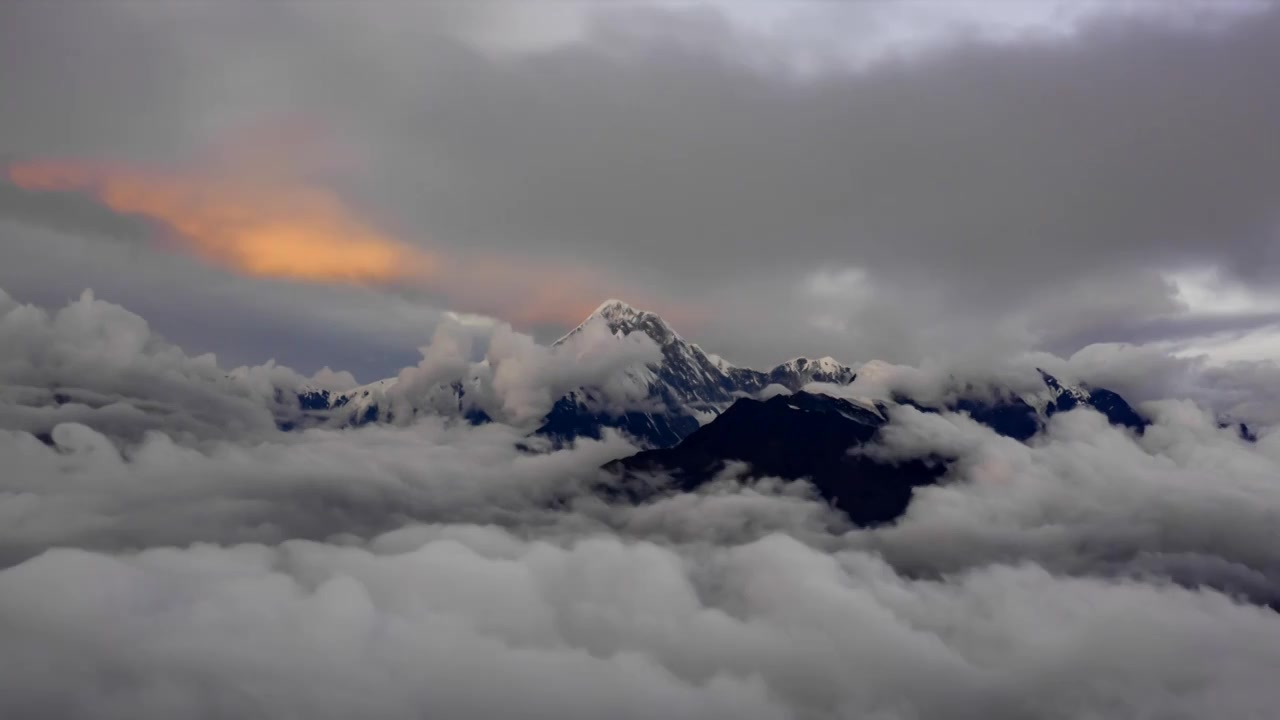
(1091, 498)
(441, 569)
(93, 361)
(475, 622)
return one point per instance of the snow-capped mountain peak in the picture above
(1079, 394)
(676, 392)
(800, 371)
(1062, 397)
(687, 384)
(623, 319)
(614, 307)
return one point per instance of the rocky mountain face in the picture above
(695, 379)
(1110, 404)
(686, 387)
(802, 435)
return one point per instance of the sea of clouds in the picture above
(167, 551)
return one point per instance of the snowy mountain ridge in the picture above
(684, 388)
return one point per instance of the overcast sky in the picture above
(318, 182)
(967, 191)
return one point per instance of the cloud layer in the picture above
(179, 556)
(968, 192)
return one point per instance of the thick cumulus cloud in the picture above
(518, 379)
(473, 622)
(1188, 501)
(447, 570)
(95, 363)
(83, 489)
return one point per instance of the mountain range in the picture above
(683, 389)
(687, 387)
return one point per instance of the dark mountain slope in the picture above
(792, 437)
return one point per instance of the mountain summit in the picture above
(687, 386)
(624, 319)
(697, 379)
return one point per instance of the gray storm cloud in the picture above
(442, 569)
(1045, 183)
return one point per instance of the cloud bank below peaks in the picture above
(166, 551)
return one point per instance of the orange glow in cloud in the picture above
(262, 229)
(262, 224)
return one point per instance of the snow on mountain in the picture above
(1068, 397)
(801, 371)
(1019, 413)
(315, 398)
(684, 376)
(667, 397)
(698, 380)
(624, 319)
(376, 402)
(688, 386)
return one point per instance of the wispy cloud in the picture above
(272, 224)
(264, 228)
